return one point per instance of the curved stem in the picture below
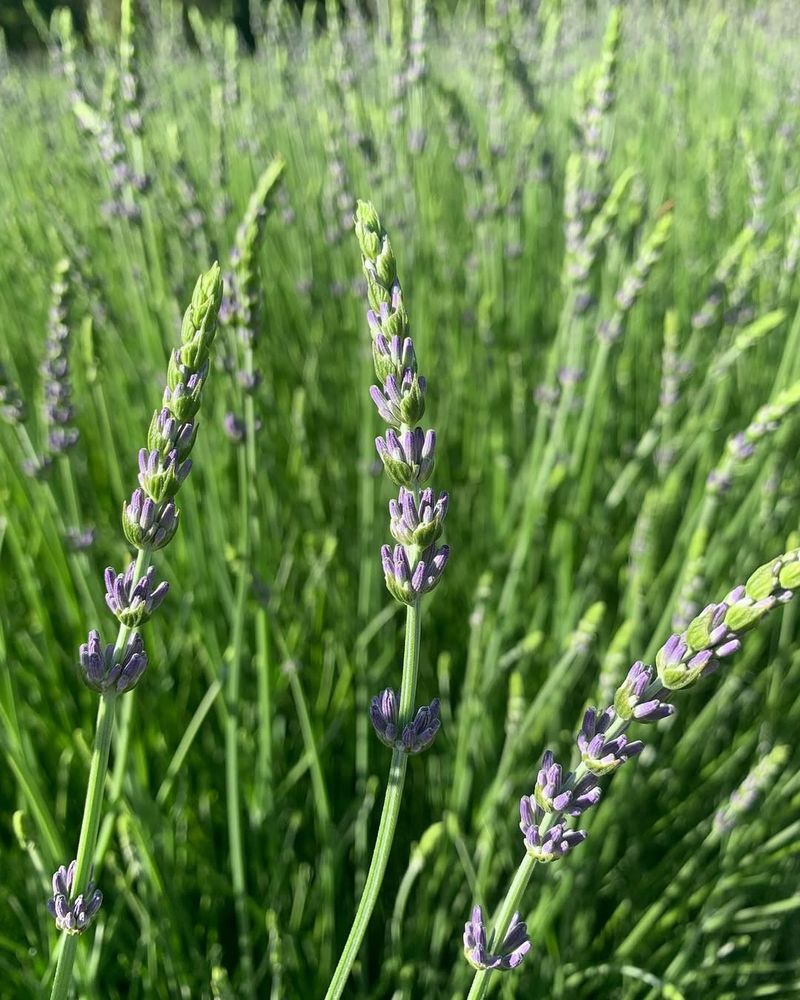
(124, 720)
(391, 810)
(93, 807)
(88, 836)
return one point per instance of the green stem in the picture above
(391, 810)
(98, 769)
(88, 836)
(124, 719)
(232, 787)
(326, 872)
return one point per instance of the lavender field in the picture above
(399, 502)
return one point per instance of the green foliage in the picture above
(584, 393)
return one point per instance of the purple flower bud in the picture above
(234, 428)
(80, 539)
(740, 447)
(72, 915)
(147, 524)
(416, 736)
(168, 434)
(516, 944)
(383, 712)
(550, 793)
(159, 477)
(61, 439)
(420, 732)
(417, 522)
(101, 672)
(408, 458)
(407, 584)
(600, 755)
(629, 701)
(249, 381)
(401, 401)
(133, 603)
(545, 845)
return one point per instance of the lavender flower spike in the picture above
(417, 735)
(72, 915)
(515, 947)
(149, 521)
(55, 368)
(415, 565)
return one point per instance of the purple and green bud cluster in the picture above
(59, 412)
(416, 735)
(148, 525)
(415, 564)
(407, 451)
(718, 630)
(72, 915)
(713, 635)
(104, 671)
(516, 944)
(133, 602)
(150, 517)
(239, 309)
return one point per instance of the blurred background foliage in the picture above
(18, 18)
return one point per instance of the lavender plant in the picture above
(585, 506)
(149, 521)
(414, 566)
(603, 745)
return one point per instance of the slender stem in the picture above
(391, 810)
(88, 836)
(80, 564)
(98, 769)
(232, 787)
(408, 684)
(124, 718)
(326, 917)
(264, 790)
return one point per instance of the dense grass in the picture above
(577, 529)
